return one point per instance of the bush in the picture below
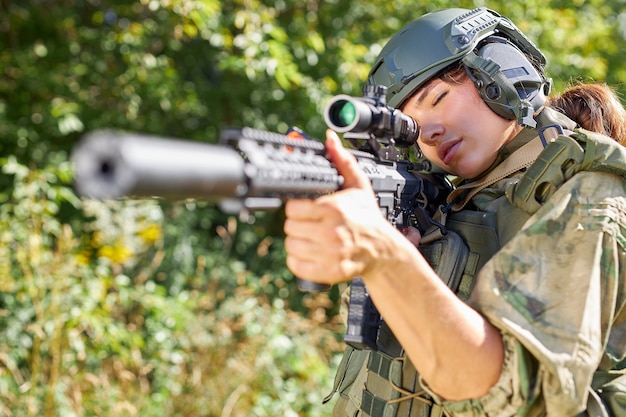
(95, 323)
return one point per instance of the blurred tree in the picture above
(188, 67)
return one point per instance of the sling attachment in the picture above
(550, 133)
(520, 159)
(560, 161)
(437, 227)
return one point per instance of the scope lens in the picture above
(346, 114)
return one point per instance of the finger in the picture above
(308, 230)
(345, 162)
(325, 210)
(304, 258)
(301, 209)
(322, 272)
(306, 270)
(413, 235)
(306, 251)
(312, 257)
(299, 247)
(325, 239)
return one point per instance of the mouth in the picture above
(448, 150)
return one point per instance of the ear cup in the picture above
(492, 92)
(506, 80)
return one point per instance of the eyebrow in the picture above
(422, 94)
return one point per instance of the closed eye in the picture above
(439, 97)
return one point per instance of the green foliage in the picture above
(91, 329)
(186, 68)
(155, 308)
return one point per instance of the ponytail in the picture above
(594, 107)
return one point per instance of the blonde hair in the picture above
(595, 107)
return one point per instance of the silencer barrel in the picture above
(110, 164)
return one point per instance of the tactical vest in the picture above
(383, 382)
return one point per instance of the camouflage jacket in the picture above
(554, 284)
(557, 291)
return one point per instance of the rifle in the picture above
(250, 170)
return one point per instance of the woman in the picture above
(545, 312)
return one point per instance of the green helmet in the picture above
(504, 64)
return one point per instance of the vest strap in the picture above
(373, 406)
(521, 158)
(386, 367)
(560, 160)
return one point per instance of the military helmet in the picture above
(504, 64)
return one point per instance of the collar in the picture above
(546, 117)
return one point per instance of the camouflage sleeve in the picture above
(552, 291)
(510, 393)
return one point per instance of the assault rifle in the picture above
(250, 170)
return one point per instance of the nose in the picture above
(430, 133)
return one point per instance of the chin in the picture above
(468, 174)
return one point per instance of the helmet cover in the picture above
(438, 40)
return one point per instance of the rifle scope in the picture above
(369, 116)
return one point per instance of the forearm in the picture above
(455, 349)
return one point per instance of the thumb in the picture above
(345, 162)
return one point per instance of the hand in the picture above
(336, 237)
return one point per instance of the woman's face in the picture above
(458, 131)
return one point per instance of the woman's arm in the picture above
(338, 237)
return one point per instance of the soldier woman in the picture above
(542, 328)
